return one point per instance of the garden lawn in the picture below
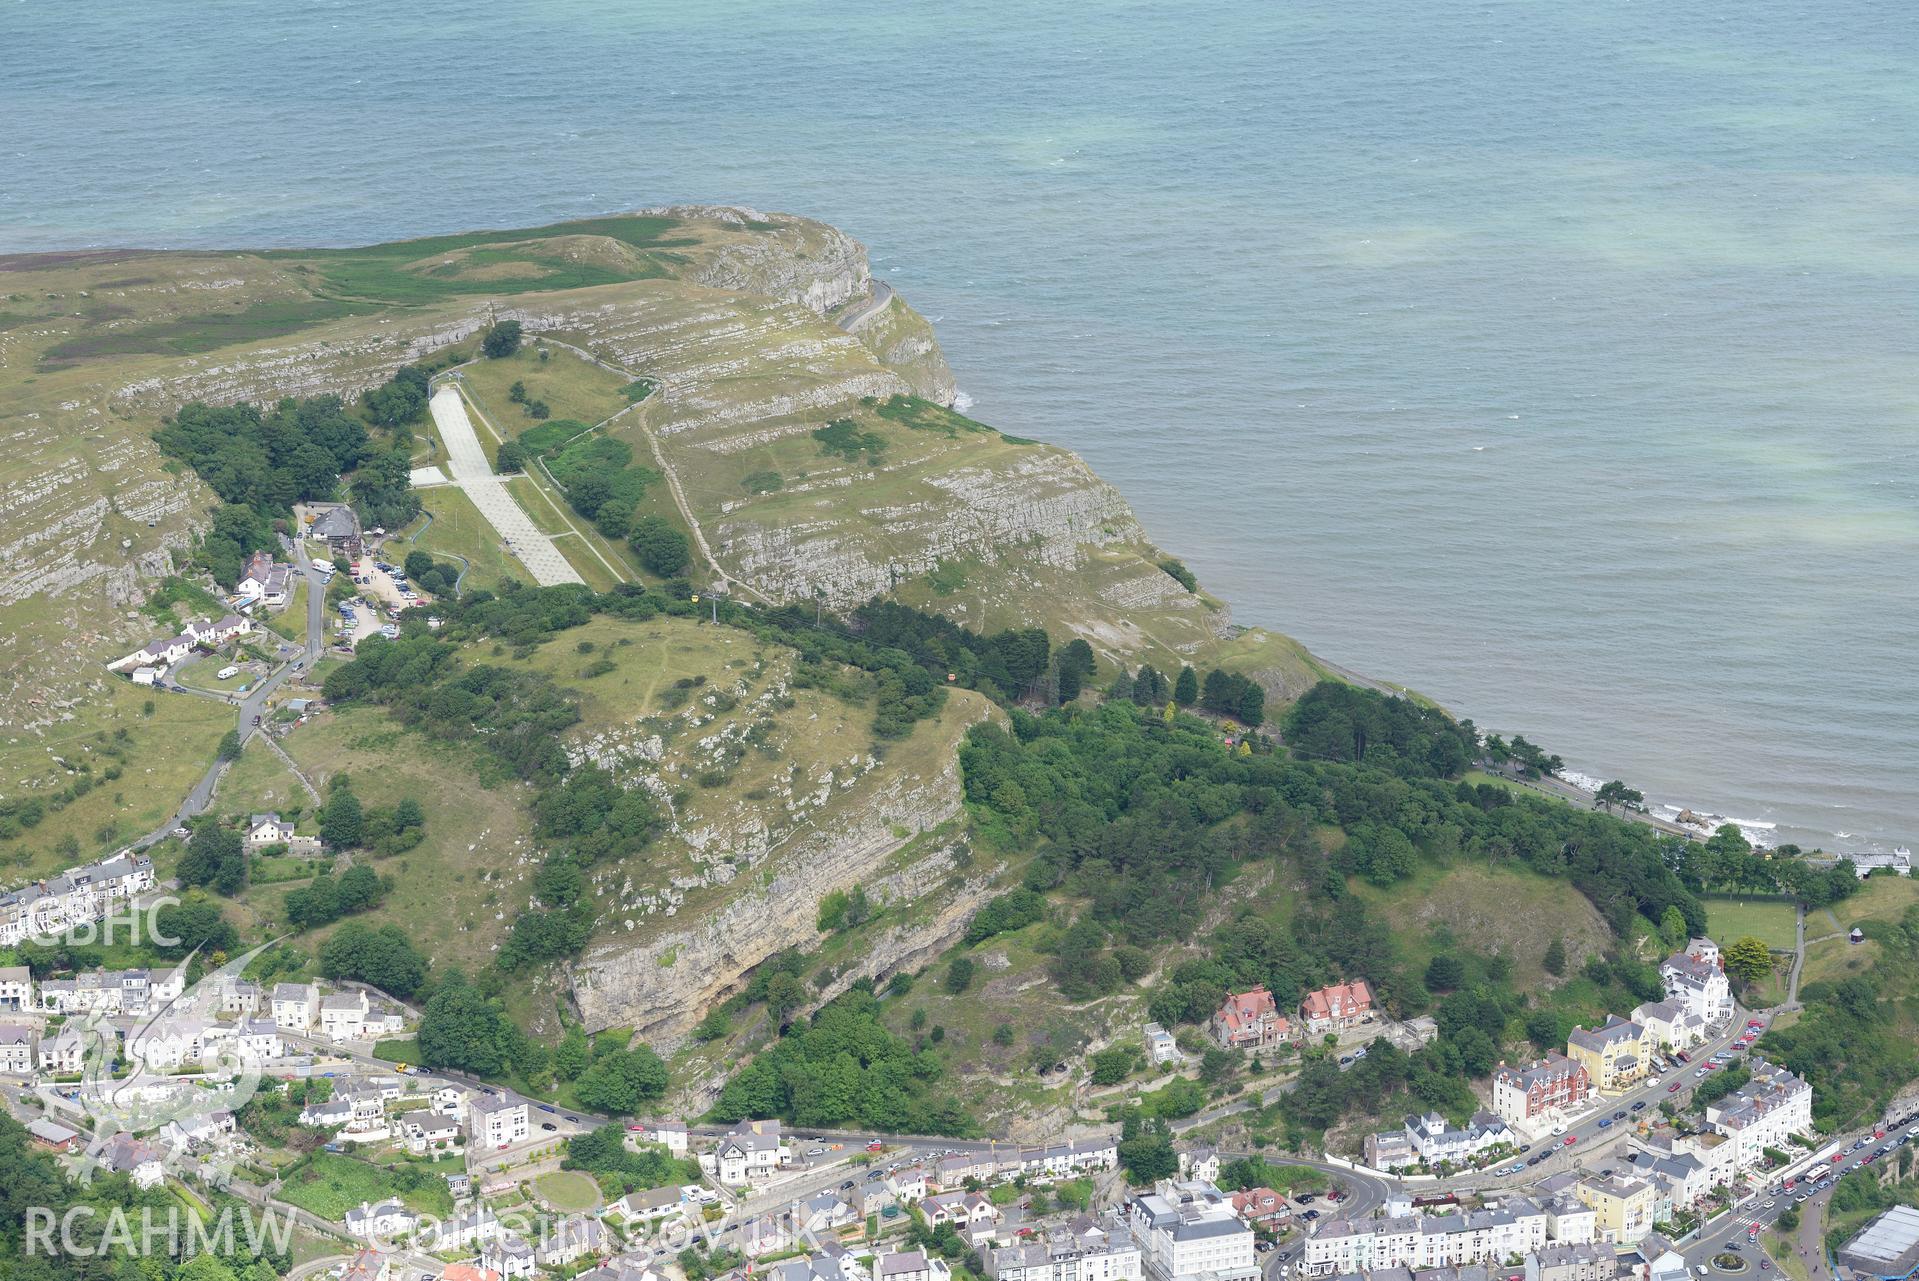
(1769, 920)
(333, 1183)
(568, 1191)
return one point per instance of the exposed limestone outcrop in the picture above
(661, 987)
(792, 259)
(903, 340)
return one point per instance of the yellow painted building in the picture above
(1615, 1055)
(1622, 1208)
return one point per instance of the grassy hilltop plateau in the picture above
(849, 735)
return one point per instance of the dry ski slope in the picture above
(469, 469)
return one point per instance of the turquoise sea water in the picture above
(1557, 360)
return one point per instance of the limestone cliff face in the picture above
(1044, 507)
(662, 986)
(903, 340)
(792, 259)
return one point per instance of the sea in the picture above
(1555, 360)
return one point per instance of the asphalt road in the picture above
(861, 312)
(1727, 1234)
(252, 707)
(1583, 1144)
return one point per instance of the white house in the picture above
(426, 1131)
(448, 1100)
(16, 1050)
(476, 1227)
(509, 1256)
(293, 1006)
(168, 1044)
(1187, 1231)
(1672, 1025)
(650, 1206)
(961, 1209)
(385, 1221)
(228, 628)
(138, 1160)
(749, 1151)
(240, 996)
(1160, 1046)
(64, 1054)
(16, 988)
(1696, 980)
(671, 1135)
(1433, 1140)
(257, 1040)
(264, 580)
(343, 1015)
(909, 1265)
(570, 1240)
(267, 829)
(1765, 1112)
(495, 1121)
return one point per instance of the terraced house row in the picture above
(74, 897)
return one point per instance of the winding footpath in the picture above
(685, 508)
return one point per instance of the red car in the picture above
(1571, 1139)
(1673, 1088)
